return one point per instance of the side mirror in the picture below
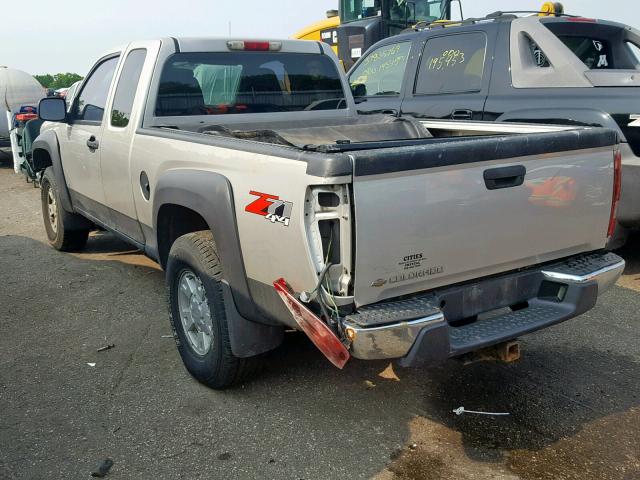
(359, 90)
(53, 109)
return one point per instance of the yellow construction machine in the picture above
(323, 31)
(358, 24)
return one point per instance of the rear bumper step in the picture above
(422, 329)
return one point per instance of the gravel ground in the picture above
(573, 399)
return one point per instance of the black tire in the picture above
(65, 230)
(218, 367)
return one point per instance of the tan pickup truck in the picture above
(243, 169)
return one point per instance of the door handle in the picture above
(504, 177)
(462, 115)
(92, 143)
(389, 111)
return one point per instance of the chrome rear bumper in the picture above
(418, 331)
(388, 341)
(605, 277)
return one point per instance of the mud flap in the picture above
(248, 339)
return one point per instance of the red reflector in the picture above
(617, 192)
(256, 46)
(319, 333)
(582, 19)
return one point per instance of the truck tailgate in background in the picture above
(447, 212)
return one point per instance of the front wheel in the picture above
(197, 313)
(57, 222)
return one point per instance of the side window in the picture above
(382, 71)
(539, 58)
(93, 97)
(452, 64)
(126, 89)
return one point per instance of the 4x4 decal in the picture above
(271, 207)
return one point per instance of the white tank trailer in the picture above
(17, 88)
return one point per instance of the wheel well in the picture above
(173, 222)
(41, 159)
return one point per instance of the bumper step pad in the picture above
(395, 312)
(585, 265)
(499, 329)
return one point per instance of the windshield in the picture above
(248, 82)
(397, 11)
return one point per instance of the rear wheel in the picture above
(197, 313)
(57, 222)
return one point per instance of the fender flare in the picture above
(210, 195)
(586, 117)
(48, 141)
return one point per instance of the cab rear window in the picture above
(600, 46)
(247, 82)
(595, 53)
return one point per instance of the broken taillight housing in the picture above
(617, 191)
(318, 331)
(327, 216)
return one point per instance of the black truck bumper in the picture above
(433, 327)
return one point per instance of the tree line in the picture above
(58, 80)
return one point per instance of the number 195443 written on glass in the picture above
(447, 59)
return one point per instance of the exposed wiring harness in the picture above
(326, 293)
(323, 290)
(306, 297)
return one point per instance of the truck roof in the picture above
(509, 17)
(473, 24)
(220, 44)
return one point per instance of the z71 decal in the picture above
(271, 207)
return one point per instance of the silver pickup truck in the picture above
(243, 169)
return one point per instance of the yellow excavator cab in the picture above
(323, 31)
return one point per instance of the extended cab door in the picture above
(453, 74)
(81, 148)
(378, 80)
(124, 113)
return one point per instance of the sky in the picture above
(69, 35)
